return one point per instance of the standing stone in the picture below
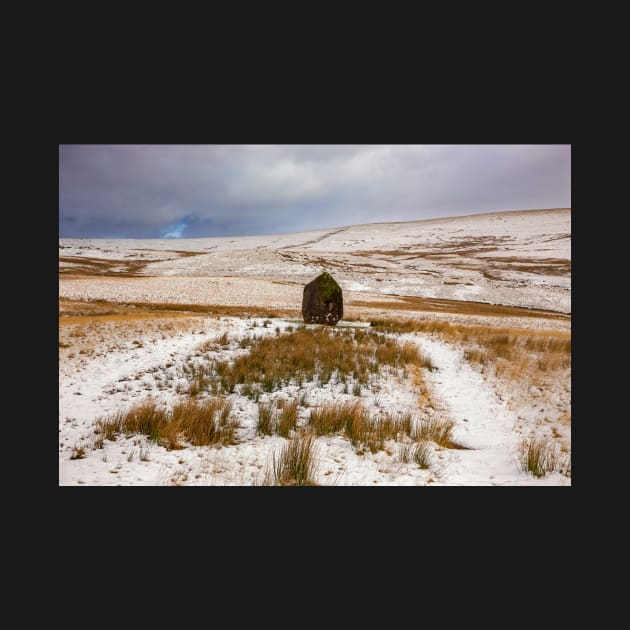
(322, 302)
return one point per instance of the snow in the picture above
(94, 386)
(484, 424)
(98, 386)
(107, 364)
(439, 258)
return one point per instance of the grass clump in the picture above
(78, 452)
(334, 417)
(438, 430)
(266, 419)
(296, 464)
(476, 355)
(199, 423)
(206, 422)
(418, 453)
(540, 456)
(354, 422)
(251, 391)
(372, 433)
(277, 417)
(287, 418)
(421, 454)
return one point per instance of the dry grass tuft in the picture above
(476, 355)
(266, 419)
(540, 456)
(78, 452)
(419, 453)
(287, 418)
(199, 423)
(205, 422)
(334, 417)
(515, 351)
(486, 342)
(355, 423)
(434, 429)
(296, 463)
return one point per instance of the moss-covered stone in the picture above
(330, 289)
(322, 302)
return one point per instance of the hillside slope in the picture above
(520, 258)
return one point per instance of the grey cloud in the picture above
(131, 190)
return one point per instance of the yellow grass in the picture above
(436, 305)
(309, 353)
(296, 463)
(198, 423)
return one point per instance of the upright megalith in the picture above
(322, 302)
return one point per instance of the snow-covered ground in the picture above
(97, 385)
(484, 424)
(104, 371)
(108, 363)
(515, 258)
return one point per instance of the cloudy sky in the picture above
(157, 191)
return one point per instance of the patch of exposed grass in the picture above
(334, 417)
(411, 325)
(78, 452)
(418, 453)
(105, 308)
(251, 391)
(200, 382)
(198, 423)
(310, 353)
(354, 422)
(524, 355)
(404, 452)
(540, 456)
(144, 454)
(266, 424)
(296, 464)
(287, 418)
(434, 429)
(513, 352)
(476, 355)
(214, 344)
(440, 305)
(205, 422)
(421, 454)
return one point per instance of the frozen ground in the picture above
(109, 361)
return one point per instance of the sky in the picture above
(192, 191)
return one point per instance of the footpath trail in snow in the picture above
(483, 423)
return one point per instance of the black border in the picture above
(385, 112)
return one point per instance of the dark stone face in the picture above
(322, 302)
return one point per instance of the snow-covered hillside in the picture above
(514, 258)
